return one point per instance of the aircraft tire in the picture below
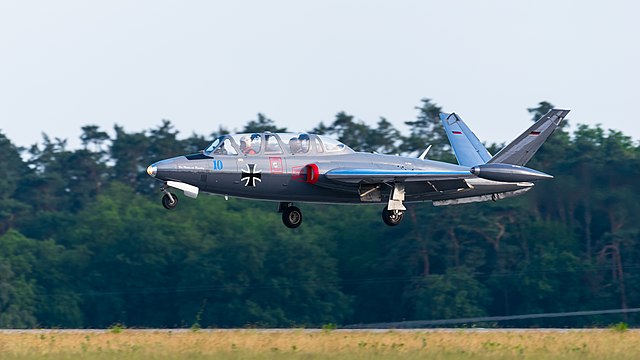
(292, 217)
(392, 218)
(167, 203)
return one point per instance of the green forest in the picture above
(86, 243)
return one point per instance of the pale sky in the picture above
(202, 64)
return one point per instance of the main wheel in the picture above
(392, 217)
(168, 203)
(292, 217)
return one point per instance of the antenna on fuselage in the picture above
(424, 153)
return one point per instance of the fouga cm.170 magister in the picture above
(295, 168)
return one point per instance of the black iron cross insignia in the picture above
(251, 175)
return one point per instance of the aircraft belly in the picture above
(221, 183)
(276, 187)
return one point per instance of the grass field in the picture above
(321, 344)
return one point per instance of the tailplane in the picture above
(508, 164)
(522, 149)
(468, 149)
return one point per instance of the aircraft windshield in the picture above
(213, 145)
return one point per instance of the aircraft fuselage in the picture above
(284, 178)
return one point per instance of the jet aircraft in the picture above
(293, 168)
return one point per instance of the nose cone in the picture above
(152, 170)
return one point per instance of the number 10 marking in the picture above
(217, 164)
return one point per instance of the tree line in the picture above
(84, 241)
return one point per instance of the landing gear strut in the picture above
(392, 217)
(393, 212)
(169, 200)
(291, 215)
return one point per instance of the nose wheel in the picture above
(392, 217)
(291, 215)
(169, 200)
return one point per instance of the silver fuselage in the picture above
(283, 177)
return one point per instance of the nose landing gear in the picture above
(169, 200)
(291, 215)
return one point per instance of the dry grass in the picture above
(306, 344)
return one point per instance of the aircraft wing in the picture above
(468, 149)
(370, 176)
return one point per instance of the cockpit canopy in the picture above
(267, 143)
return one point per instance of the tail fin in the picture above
(522, 149)
(468, 149)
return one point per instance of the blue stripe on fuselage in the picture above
(393, 172)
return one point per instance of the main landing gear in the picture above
(394, 211)
(169, 200)
(291, 215)
(392, 217)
